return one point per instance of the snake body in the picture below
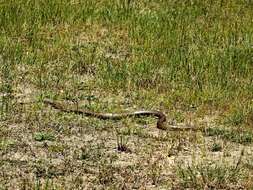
(111, 116)
(161, 117)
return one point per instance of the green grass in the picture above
(190, 59)
(5, 144)
(43, 137)
(234, 135)
(199, 52)
(211, 175)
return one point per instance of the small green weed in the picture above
(216, 147)
(43, 136)
(6, 143)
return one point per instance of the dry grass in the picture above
(189, 59)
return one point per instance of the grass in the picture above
(211, 176)
(43, 137)
(190, 59)
(234, 135)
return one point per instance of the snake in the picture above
(161, 117)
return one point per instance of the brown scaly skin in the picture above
(161, 123)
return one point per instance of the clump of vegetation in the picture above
(212, 175)
(234, 135)
(43, 136)
(216, 147)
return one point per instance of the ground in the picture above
(190, 59)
